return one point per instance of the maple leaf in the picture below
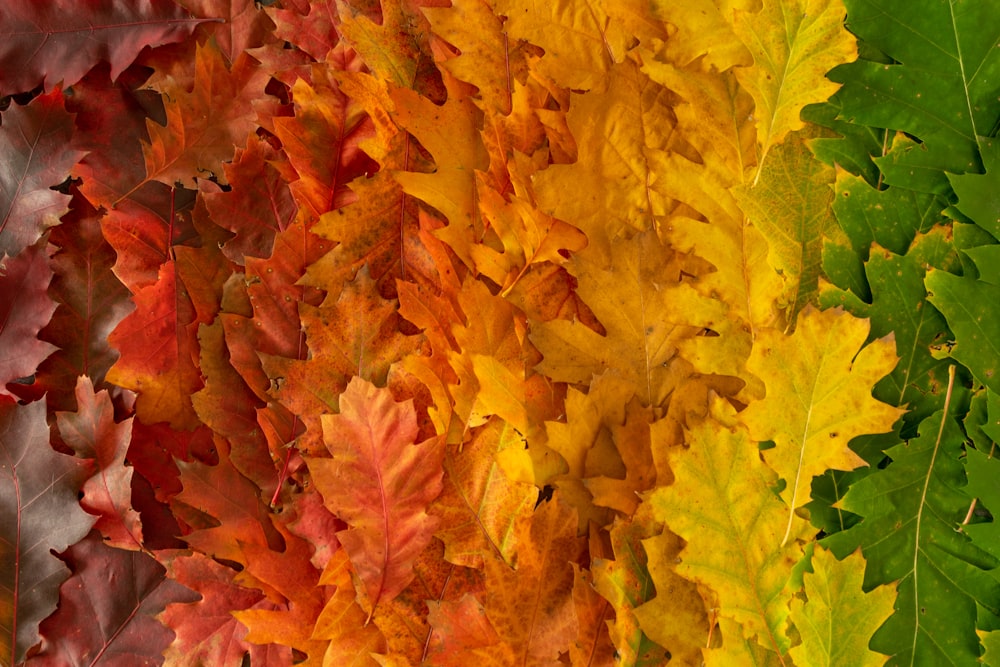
(24, 309)
(92, 433)
(704, 30)
(824, 367)
(793, 45)
(835, 603)
(120, 593)
(380, 483)
(732, 523)
(33, 141)
(50, 43)
(39, 515)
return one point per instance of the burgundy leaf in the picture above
(24, 309)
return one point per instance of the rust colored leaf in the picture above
(380, 483)
(39, 515)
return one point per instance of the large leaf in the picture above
(733, 524)
(119, 593)
(911, 511)
(818, 398)
(51, 42)
(379, 482)
(941, 83)
(39, 515)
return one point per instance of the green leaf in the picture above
(838, 618)
(972, 308)
(942, 88)
(979, 194)
(911, 511)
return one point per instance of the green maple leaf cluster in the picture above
(416, 332)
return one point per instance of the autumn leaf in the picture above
(121, 592)
(33, 141)
(834, 596)
(732, 523)
(39, 516)
(793, 46)
(92, 433)
(48, 44)
(824, 367)
(24, 309)
(392, 481)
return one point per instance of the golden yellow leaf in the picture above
(703, 30)
(722, 504)
(736, 650)
(819, 382)
(794, 44)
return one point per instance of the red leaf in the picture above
(380, 483)
(92, 433)
(24, 309)
(107, 610)
(158, 352)
(259, 205)
(48, 42)
(34, 143)
(39, 514)
(207, 633)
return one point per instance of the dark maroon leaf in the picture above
(24, 309)
(107, 610)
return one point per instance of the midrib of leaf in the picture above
(965, 81)
(385, 520)
(920, 514)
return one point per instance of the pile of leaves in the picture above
(500, 332)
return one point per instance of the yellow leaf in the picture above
(736, 650)
(581, 42)
(722, 504)
(819, 382)
(838, 617)
(622, 135)
(703, 30)
(794, 44)
(791, 207)
(646, 312)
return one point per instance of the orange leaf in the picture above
(380, 483)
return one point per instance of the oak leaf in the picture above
(793, 46)
(50, 43)
(158, 352)
(25, 308)
(732, 522)
(837, 618)
(92, 433)
(118, 593)
(380, 483)
(34, 141)
(200, 133)
(818, 383)
(39, 515)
